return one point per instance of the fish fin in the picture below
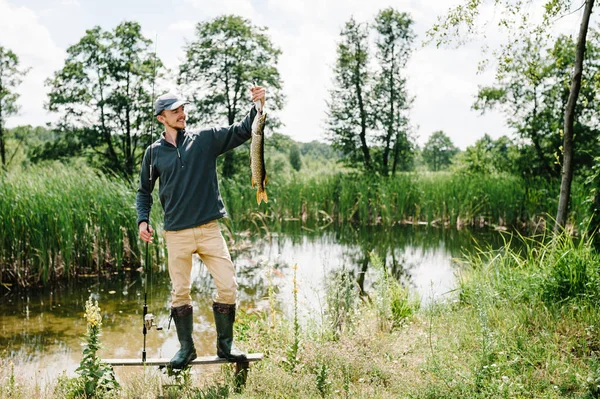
(266, 179)
(261, 196)
(253, 182)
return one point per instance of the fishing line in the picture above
(148, 321)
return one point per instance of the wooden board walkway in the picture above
(241, 367)
(252, 357)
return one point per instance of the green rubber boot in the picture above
(184, 323)
(224, 318)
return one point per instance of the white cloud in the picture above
(22, 32)
(211, 9)
(70, 3)
(185, 26)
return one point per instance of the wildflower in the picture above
(92, 314)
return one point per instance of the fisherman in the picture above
(185, 163)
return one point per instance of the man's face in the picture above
(174, 119)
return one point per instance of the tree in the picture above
(367, 116)
(295, 158)
(349, 113)
(532, 92)
(103, 96)
(10, 77)
(515, 16)
(394, 42)
(20, 141)
(221, 64)
(438, 151)
(487, 156)
(567, 169)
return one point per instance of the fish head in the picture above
(260, 123)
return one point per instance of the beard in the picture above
(177, 125)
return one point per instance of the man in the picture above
(185, 163)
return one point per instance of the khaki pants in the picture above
(208, 242)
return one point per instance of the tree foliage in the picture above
(349, 114)
(532, 93)
(103, 97)
(439, 151)
(10, 77)
(394, 42)
(295, 158)
(227, 55)
(488, 156)
(367, 111)
(516, 17)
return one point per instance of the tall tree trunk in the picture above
(535, 137)
(567, 170)
(128, 152)
(2, 146)
(229, 161)
(396, 151)
(594, 227)
(105, 132)
(363, 113)
(386, 150)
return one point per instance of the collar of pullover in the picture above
(163, 137)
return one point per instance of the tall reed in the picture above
(57, 221)
(451, 199)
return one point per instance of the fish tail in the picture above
(261, 196)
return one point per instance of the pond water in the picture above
(42, 328)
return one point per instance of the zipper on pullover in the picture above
(179, 156)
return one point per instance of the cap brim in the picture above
(173, 106)
(177, 104)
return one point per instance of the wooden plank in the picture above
(252, 357)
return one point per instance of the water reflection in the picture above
(42, 328)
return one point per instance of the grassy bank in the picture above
(520, 325)
(59, 222)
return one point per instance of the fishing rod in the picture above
(149, 317)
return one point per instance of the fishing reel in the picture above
(149, 322)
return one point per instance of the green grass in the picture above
(59, 221)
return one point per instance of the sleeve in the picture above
(144, 192)
(227, 138)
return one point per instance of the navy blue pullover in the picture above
(188, 189)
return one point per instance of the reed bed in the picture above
(60, 221)
(449, 199)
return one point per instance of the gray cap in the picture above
(168, 101)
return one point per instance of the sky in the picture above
(443, 82)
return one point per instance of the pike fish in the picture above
(257, 154)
